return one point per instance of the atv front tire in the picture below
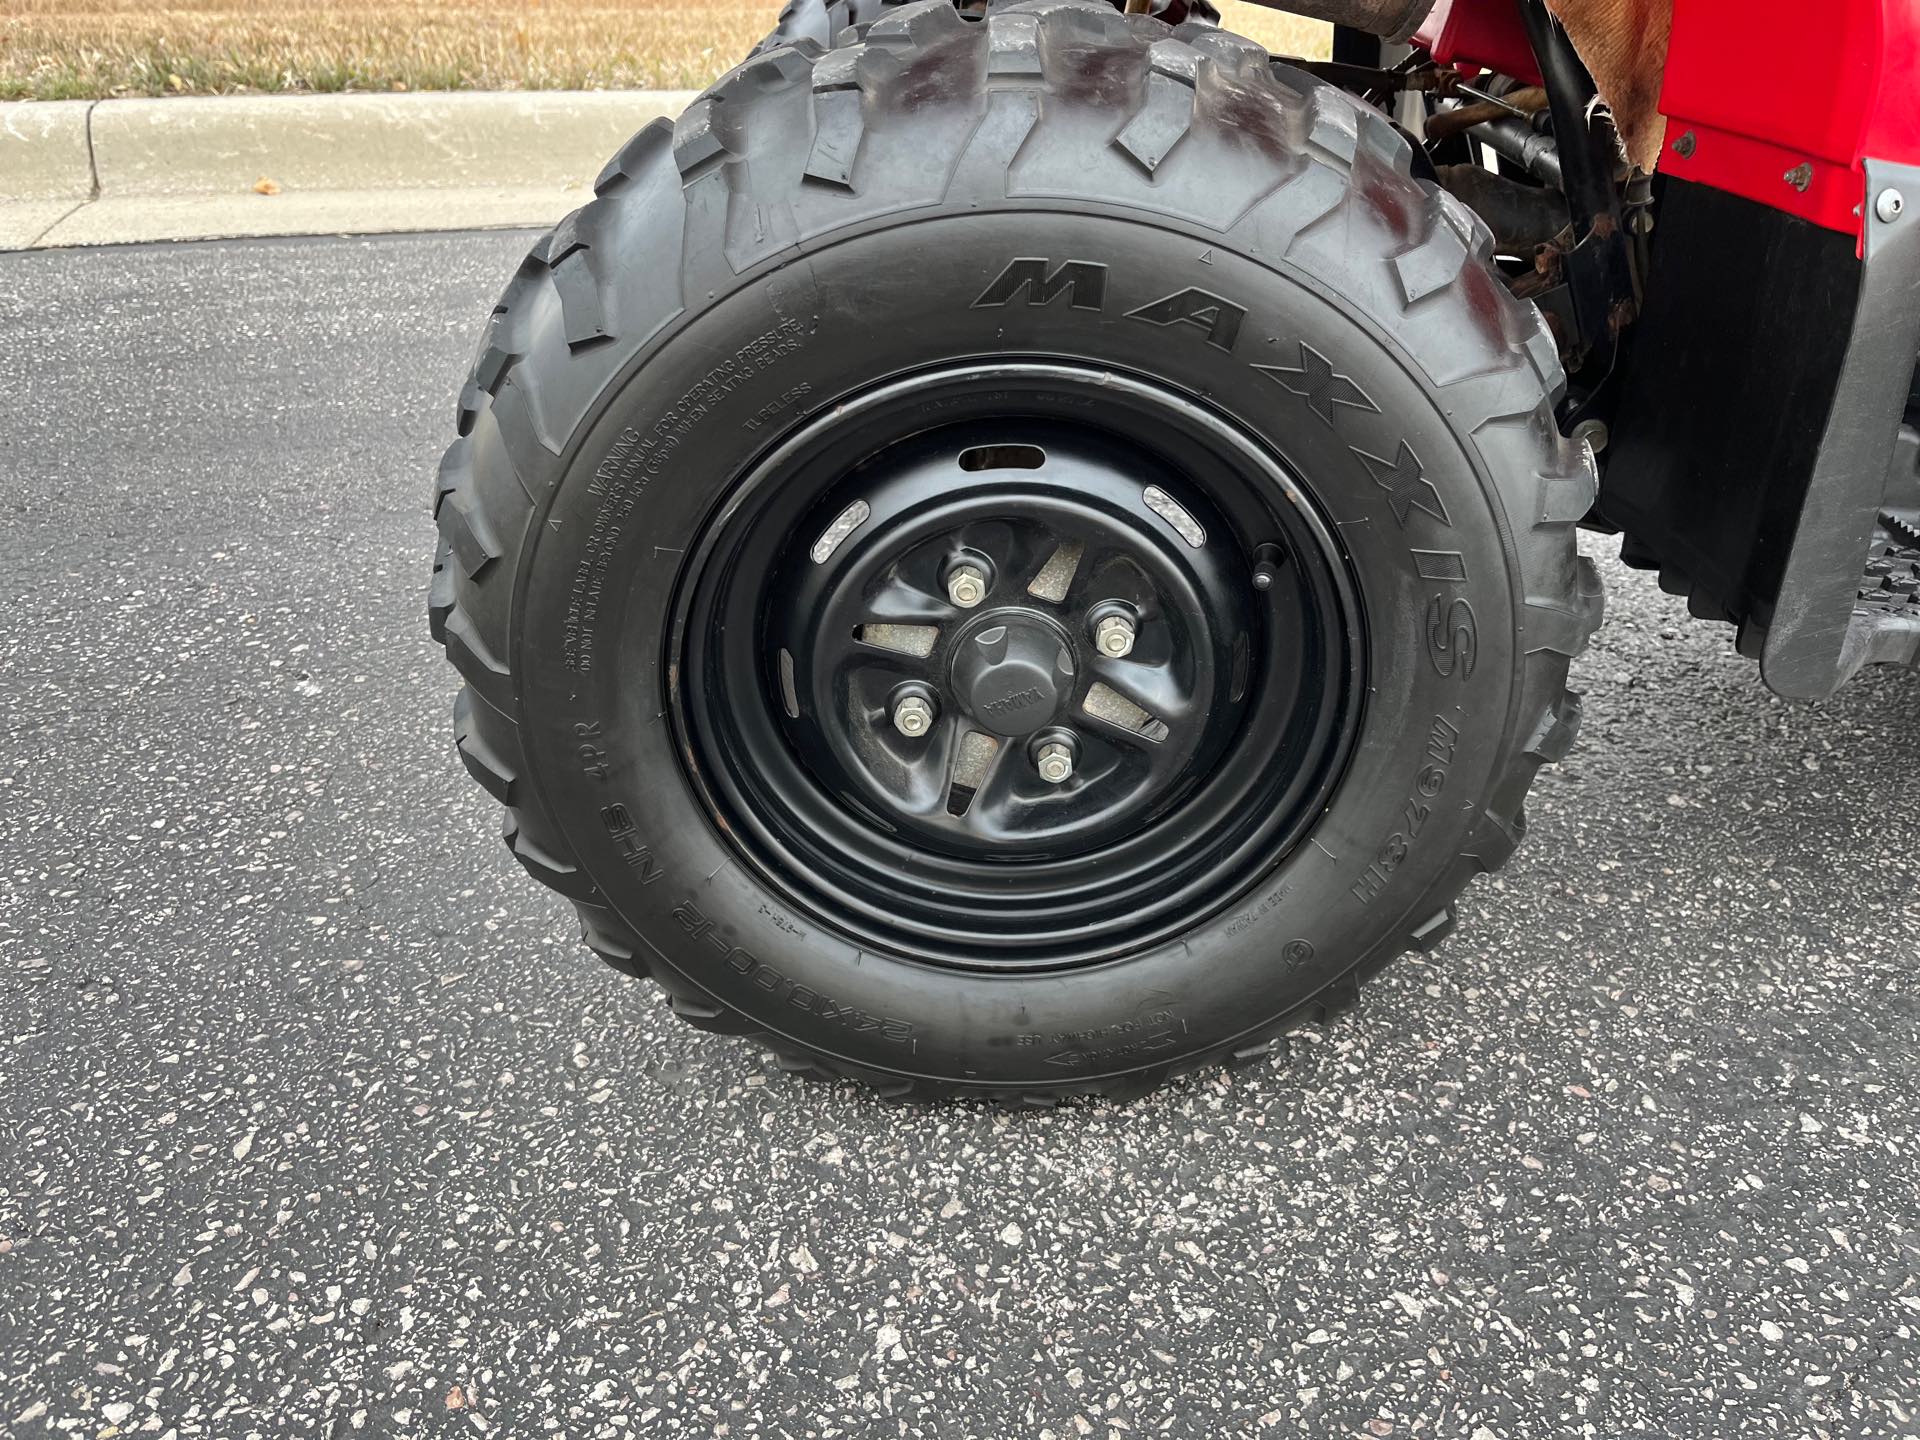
(939, 368)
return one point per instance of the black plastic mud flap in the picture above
(1756, 442)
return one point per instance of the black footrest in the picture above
(1888, 600)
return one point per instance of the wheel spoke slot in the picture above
(1003, 457)
(970, 766)
(1105, 703)
(915, 640)
(1053, 579)
(789, 697)
(1176, 515)
(844, 524)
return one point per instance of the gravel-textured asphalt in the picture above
(315, 1120)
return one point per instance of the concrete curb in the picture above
(46, 167)
(116, 171)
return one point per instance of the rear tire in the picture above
(1178, 237)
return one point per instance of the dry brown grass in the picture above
(89, 49)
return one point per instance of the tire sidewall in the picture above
(680, 426)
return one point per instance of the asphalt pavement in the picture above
(316, 1121)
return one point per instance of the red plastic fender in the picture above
(1483, 34)
(1779, 101)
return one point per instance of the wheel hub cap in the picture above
(1012, 673)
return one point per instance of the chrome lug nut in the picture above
(1113, 636)
(966, 586)
(913, 716)
(1055, 762)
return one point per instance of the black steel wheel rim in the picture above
(921, 608)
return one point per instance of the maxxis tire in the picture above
(817, 212)
(820, 22)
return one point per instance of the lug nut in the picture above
(1055, 762)
(1113, 636)
(913, 717)
(966, 586)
